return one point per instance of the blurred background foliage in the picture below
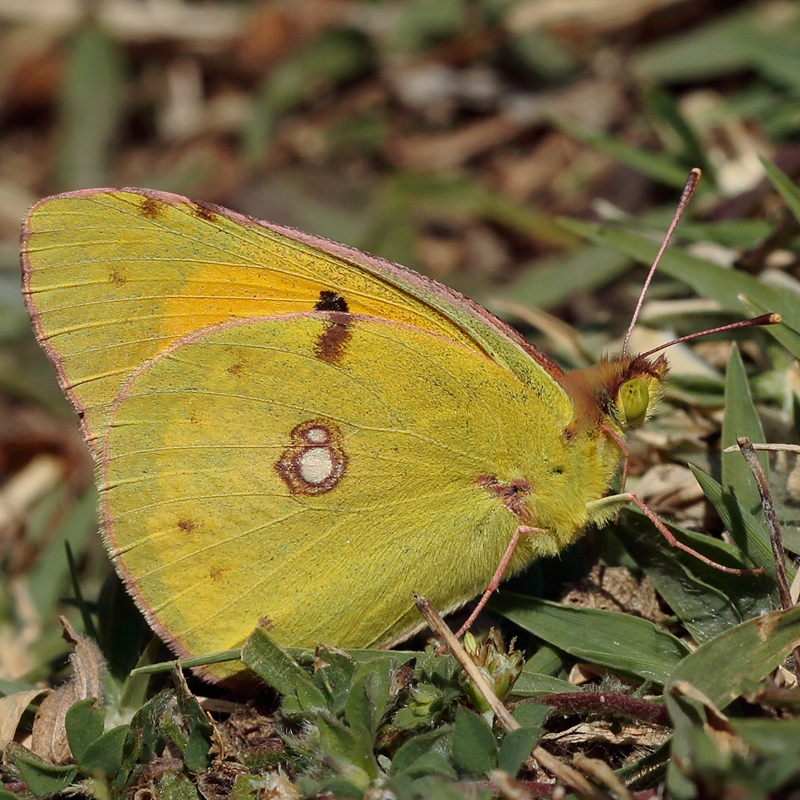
(451, 136)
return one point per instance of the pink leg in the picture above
(665, 532)
(497, 577)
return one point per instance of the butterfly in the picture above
(293, 433)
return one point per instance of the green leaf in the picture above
(667, 107)
(420, 23)
(196, 742)
(658, 166)
(49, 575)
(350, 750)
(44, 779)
(530, 714)
(546, 661)
(606, 638)
(554, 280)
(416, 747)
(706, 600)
(516, 747)
(264, 657)
(176, 786)
(146, 737)
(359, 709)
(740, 419)
(368, 696)
(725, 667)
(474, 745)
(84, 724)
(770, 736)
(531, 684)
(734, 291)
(688, 741)
(333, 673)
(748, 533)
(431, 763)
(719, 47)
(785, 188)
(91, 108)
(432, 787)
(104, 755)
(334, 56)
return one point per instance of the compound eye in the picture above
(634, 398)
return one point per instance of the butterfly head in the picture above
(621, 391)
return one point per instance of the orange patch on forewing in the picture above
(332, 342)
(150, 208)
(215, 573)
(236, 368)
(315, 461)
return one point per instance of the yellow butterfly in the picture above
(290, 431)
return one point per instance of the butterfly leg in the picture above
(522, 530)
(617, 499)
(666, 533)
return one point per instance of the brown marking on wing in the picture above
(204, 211)
(512, 494)
(187, 525)
(150, 208)
(332, 342)
(310, 440)
(117, 279)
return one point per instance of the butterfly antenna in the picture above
(765, 319)
(686, 196)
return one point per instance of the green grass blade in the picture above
(606, 638)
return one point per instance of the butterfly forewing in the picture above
(112, 278)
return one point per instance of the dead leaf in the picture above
(12, 707)
(49, 735)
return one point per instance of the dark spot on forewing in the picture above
(265, 623)
(235, 369)
(187, 525)
(332, 342)
(331, 301)
(117, 279)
